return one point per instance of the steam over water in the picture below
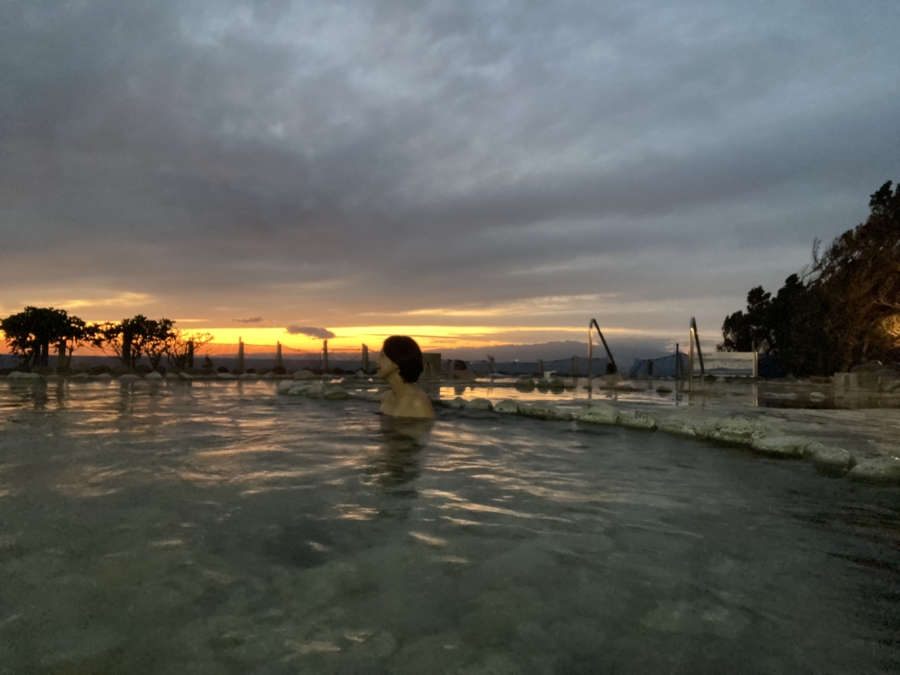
(219, 528)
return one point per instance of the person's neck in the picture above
(399, 386)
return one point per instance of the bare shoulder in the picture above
(422, 405)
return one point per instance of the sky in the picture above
(469, 173)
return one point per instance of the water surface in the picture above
(219, 528)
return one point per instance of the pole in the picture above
(691, 361)
(190, 354)
(574, 366)
(541, 367)
(365, 358)
(325, 356)
(240, 366)
(278, 359)
(590, 357)
(677, 363)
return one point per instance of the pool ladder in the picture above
(612, 368)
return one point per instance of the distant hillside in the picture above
(624, 351)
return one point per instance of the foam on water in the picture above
(218, 528)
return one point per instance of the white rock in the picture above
(600, 413)
(361, 375)
(303, 375)
(506, 407)
(639, 419)
(128, 377)
(82, 377)
(226, 376)
(816, 396)
(286, 385)
(18, 375)
(102, 377)
(335, 394)
(829, 457)
(458, 402)
(268, 376)
(154, 376)
(315, 390)
(679, 427)
(248, 376)
(781, 446)
(878, 470)
(478, 404)
(543, 411)
(738, 429)
(186, 376)
(173, 375)
(294, 390)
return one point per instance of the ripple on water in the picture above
(179, 529)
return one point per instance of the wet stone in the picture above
(543, 411)
(639, 420)
(738, 429)
(478, 404)
(829, 458)
(600, 413)
(680, 427)
(506, 407)
(878, 470)
(781, 446)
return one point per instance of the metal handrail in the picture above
(694, 339)
(615, 369)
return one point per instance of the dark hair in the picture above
(405, 352)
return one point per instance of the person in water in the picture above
(400, 364)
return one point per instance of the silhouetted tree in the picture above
(844, 310)
(30, 333)
(858, 278)
(750, 331)
(132, 338)
(178, 346)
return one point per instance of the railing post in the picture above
(325, 356)
(677, 362)
(574, 366)
(541, 367)
(240, 359)
(189, 362)
(365, 358)
(755, 364)
(278, 358)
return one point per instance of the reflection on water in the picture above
(216, 528)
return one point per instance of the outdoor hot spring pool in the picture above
(219, 528)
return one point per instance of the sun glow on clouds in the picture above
(429, 337)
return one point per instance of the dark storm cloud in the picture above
(252, 319)
(407, 155)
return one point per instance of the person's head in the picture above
(403, 352)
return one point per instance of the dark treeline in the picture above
(843, 310)
(33, 332)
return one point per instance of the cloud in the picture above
(252, 319)
(336, 158)
(311, 331)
